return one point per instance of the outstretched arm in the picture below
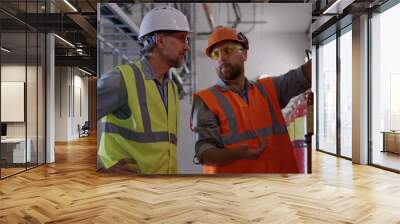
(293, 83)
(307, 70)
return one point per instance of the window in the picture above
(327, 96)
(346, 93)
(385, 88)
(22, 75)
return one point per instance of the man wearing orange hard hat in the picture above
(238, 123)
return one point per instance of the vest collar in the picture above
(148, 71)
(226, 87)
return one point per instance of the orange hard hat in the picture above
(222, 33)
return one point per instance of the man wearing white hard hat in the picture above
(139, 104)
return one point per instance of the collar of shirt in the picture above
(162, 87)
(226, 87)
(148, 71)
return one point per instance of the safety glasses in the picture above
(183, 38)
(229, 50)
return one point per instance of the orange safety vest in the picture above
(248, 124)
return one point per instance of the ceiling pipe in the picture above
(209, 16)
(236, 10)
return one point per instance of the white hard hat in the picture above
(163, 18)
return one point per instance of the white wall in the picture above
(79, 117)
(69, 85)
(271, 52)
(13, 72)
(275, 54)
(185, 149)
(61, 103)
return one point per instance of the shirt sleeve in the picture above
(290, 85)
(112, 96)
(206, 129)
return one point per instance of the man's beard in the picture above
(233, 74)
(176, 62)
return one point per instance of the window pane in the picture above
(345, 94)
(327, 97)
(15, 150)
(31, 97)
(385, 83)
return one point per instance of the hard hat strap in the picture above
(242, 37)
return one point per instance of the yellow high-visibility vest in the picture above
(149, 135)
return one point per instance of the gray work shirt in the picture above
(112, 94)
(206, 124)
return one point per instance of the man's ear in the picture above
(160, 41)
(244, 55)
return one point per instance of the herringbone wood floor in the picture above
(71, 191)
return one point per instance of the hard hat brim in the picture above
(209, 48)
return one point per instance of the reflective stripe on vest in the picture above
(233, 136)
(262, 132)
(147, 136)
(226, 107)
(141, 91)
